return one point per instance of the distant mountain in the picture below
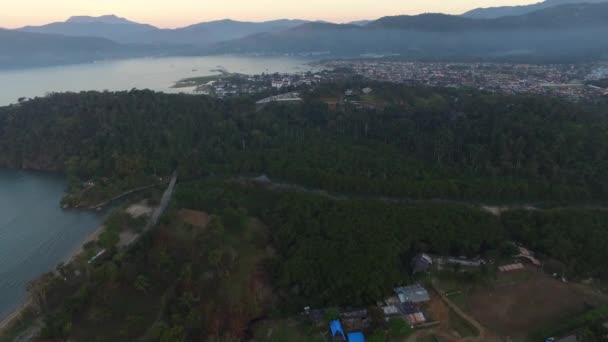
(497, 12)
(426, 22)
(231, 29)
(559, 17)
(105, 19)
(360, 22)
(24, 49)
(109, 27)
(561, 33)
(128, 32)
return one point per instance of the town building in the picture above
(421, 263)
(414, 294)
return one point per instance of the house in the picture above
(288, 98)
(421, 263)
(353, 320)
(416, 318)
(463, 261)
(278, 84)
(349, 92)
(511, 267)
(524, 253)
(412, 294)
(390, 311)
(366, 90)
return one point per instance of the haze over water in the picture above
(35, 233)
(157, 74)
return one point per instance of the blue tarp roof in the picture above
(336, 328)
(356, 337)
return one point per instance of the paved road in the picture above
(160, 210)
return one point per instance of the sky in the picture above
(178, 13)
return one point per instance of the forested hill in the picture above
(556, 34)
(420, 143)
(503, 11)
(21, 49)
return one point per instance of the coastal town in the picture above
(572, 81)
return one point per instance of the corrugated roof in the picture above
(412, 294)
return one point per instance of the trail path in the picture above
(495, 209)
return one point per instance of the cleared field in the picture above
(289, 331)
(195, 218)
(521, 302)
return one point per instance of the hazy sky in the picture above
(175, 13)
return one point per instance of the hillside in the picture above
(231, 29)
(504, 11)
(23, 49)
(404, 178)
(426, 145)
(128, 32)
(556, 34)
(561, 33)
(558, 17)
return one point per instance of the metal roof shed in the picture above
(356, 337)
(413, 294)
(336, 329)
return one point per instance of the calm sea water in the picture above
(35, 233)
(142, 73)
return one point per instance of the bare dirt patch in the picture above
(193, 217)
(126, 238)
(139, 210)
(516, 307)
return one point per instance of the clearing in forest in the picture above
(518, 303)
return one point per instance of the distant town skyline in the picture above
(179, 13)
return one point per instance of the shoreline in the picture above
(15, 314)
(8, 321)
(23, 306)
(80, 248)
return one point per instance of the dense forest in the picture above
(267, 254)
(417, 142)
(400, 177)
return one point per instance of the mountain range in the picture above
(503, 11)
(36, 49)
(125, 31)
(561, 30)
(571, 32)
